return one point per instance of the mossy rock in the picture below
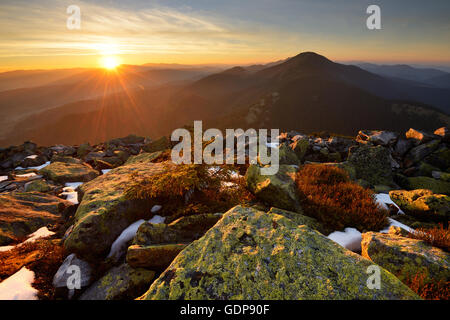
(251, 254)
(422, 203)
(157, 256)
(158, 145)
(278, 190)
(437, 186)
(22, 213)
(104, 211)
(440, 158)
(83, 150)
(287, 155)
(65, 159)
(120, 283)
(144, 157)
(426, 169)
(418, 153)
(62, 172)
(372, 164)
(38, 185)
(406, 257)
(300, 147)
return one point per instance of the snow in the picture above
(156, 208)
(105, 171)
(350, 238)
(383, 199)
(40, 233)
(34, 156)
(395, 223)
(26, 175)
(73, 185)
(35, 168)
(120, 244)
(272, 144)
(70, 194)
(18, 286)
(3, 178)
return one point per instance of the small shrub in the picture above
(438, 236)
(429, 290)
(330, 196)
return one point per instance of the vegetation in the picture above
(190, 189)
(330, 196)
(437, 236)
(429, 290)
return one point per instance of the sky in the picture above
(34, 34)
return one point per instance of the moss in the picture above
(251, 254)
(158, 145)
(437, 186)
(156, 256)
(38, 185)
(62, 172)
(144, 157)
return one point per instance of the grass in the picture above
(330, 196)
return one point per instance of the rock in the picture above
(159, 145)
(121, 154)
(102, 165)
(372, 164)
(340, 144)
(426, 169)
(92, 156)
(416, 154)
(22, 213)
(403, 146)
(83, 150)
(278, 190)
(66, 270)
(287, 155)
(144, 157)
(183, 230)
(120, 283)
(65, 159)
(251, 254)
(61, 172)
(419, 136)
(444, 133)
(113, 161)
(383, 138)
(437, 186)
(406, 257)
(422, 203)
(440, 158)
(104, 211)
(63, 150)
(300, 219)
(126, 141)
(156, 256)
(300, 146)
(394, 230)
(34, 161)
(38, 185)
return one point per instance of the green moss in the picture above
(437, 186)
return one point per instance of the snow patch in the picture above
(18, 286)
(395, 223)
(39, 233)
(35, 168)
(34, 156)
(350, 238)
(383, 199)
(6, 248)
(3, 178)
(73, 185)
(120, 244)
(156, 208)
(105, 171)
(26, 175)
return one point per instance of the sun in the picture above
(110, 62)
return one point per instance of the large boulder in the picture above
(416, 154)
(251, 254)
(435, 185)
(406, 257)
(104, 211)
(22, 213)
(63, 172)
(287, 155)
(422, 203)
(154, 256)
(372, 164)
(120, 283)
(419, 136)
(158, 145)
(300, 146)
(278, 190)
(444, 133)
(383, 138)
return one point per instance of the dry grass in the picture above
(331, 197)
(438, 236)
(429, 290)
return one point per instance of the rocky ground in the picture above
(137, 226)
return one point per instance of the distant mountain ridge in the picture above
(308, 92)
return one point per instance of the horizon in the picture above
(210, 33)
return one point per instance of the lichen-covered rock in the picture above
(104, 211)
(251, 254)
(440, 158)
(277, 190)
(156, 256)
(287, 155)
(444, 133)
(372, 164)
(63, 172)
(419, 136)
(416, 154)
(300, 219)
(406, 257)
(39, 185)
(61, 277)
(158, 145)
(120, 283)
(144, 157)
(437, 186)
(422, 203)
(182, 230)
(300, 146)
(22, 213)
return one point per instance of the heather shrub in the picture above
(328, 194)
(428, 289)
(437, 237)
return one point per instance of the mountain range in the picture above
(307, 92)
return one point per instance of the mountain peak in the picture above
(310, 57)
